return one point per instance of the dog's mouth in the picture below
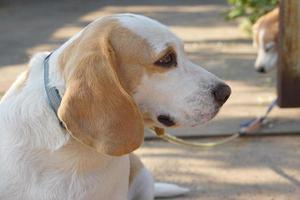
(166, 120)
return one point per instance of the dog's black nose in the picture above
(261, 69)
(221, 93)
(166, 120)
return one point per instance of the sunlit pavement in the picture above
(251, 168)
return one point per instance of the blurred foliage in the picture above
(248, 11)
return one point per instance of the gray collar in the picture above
(54, 99)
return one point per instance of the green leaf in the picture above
(249, 10)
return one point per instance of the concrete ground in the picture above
(248, 168)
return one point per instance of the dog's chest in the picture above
(46, 180)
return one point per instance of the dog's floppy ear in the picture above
(95, 109)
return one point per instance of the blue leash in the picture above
(254, 124)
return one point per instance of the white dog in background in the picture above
(119, 74)
(265, 38)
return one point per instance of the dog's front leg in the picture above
(142, 187)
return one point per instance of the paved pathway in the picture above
(247, 169)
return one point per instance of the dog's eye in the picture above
(269, 47)
(168, 60)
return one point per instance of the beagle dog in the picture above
(265, 39)
(119, 74)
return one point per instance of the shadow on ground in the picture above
(248, 168)
(27, 24)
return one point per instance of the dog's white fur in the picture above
(40, 160)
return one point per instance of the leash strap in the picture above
(160, 132)
(255, 124)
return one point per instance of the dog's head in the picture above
(265, 39)
(124, 71)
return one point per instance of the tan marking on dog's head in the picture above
(65, 56)
(135, 57)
